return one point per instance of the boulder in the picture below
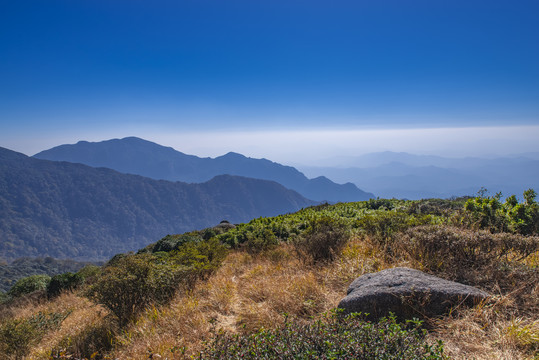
(407, 293)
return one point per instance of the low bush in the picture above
(173, 242)
(332, 337)
(62, 282)
(133, 282)
(455, 252)
(262, 240)
(29, 284)
(89, 273)
(488, 212)
(323, 240)
(380, 226)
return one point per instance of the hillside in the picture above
(137, 156)
(67, 210)
(266, 289)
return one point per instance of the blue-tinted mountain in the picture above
(404, 175)
(137, 156)
(67, 210)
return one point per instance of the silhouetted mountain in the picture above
(67, 210)
(403, 175)
(136, 156)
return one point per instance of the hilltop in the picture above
(266, 287)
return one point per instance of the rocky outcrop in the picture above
(407, 293)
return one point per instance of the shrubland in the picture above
(268, 288)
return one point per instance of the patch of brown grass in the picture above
(251, 291)
(488, 331)
(248, 292)
(83, 314)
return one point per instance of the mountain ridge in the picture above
(404, 175)
(66, 210)
(133, 155)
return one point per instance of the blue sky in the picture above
(175, 71)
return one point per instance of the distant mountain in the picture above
(403, 175)
(67, 210)
(23, 267)
(137, 156)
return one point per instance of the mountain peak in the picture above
(133, 155)
(233, 155)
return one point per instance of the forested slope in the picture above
(67, 210)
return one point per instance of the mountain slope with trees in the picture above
(132, 155)
(67, 210)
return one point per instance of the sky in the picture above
(293, 81)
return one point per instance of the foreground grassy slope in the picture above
(190, 292)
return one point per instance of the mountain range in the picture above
(133, 155)
(67, 210)
(403, 175)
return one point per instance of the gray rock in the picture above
(407, 293)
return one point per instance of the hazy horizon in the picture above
(295, 82)
(325, 147)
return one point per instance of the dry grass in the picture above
(248, 292)
(252, 291)
(488, 332)
(83, 314)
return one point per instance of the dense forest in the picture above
(269, 287)
(66, 210)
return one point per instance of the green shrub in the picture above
(62, 282)
(262, 240)
(382, 204)
(29, 284)
(173, 242)
(89, 273)
(488, 212)
(131, 284)
(134, 282)
(323, 240)
(4, 297)
(330, 338)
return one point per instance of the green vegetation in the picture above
(322, 240)
(29, 284)
(131, 283)
(23, 267)
(68, 210)
(329, 338)
(286, 264)
(488, 212)
(63, 282)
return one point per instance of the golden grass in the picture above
(83, 314)
(248, 292)
(253, 291)
(488, 332)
